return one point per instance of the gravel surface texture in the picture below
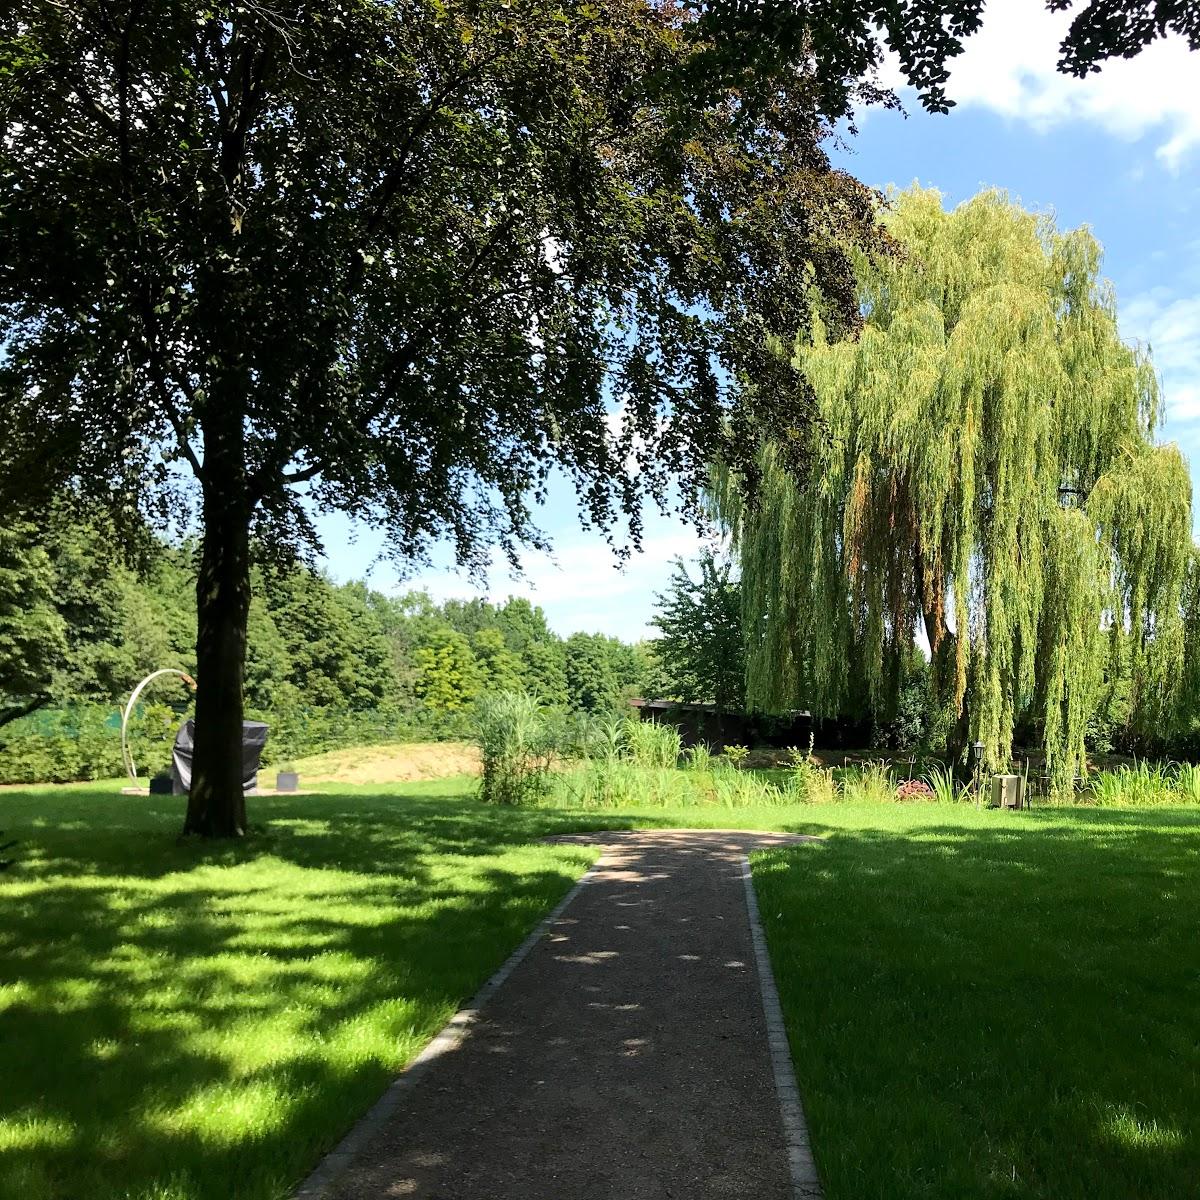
(625, 1058)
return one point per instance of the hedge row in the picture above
(83, 742)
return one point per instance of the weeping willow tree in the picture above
(988, 474)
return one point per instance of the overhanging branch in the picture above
(15, 713)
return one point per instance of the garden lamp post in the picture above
(977, 769)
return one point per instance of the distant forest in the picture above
(327, 664)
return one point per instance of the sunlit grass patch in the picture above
(981, 1003)
(994, 1005)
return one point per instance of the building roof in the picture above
(679, 706)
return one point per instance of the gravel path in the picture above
(625, 1058)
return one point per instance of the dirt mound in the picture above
(396, 763)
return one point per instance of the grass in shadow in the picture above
(981, 1004)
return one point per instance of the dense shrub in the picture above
(300, 732)
(84, 742)
(914, 789)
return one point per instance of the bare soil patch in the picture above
(395, 763)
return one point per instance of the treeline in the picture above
(327, 664)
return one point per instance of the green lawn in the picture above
(179, 1021)
(994, 1005)
(981, 1004)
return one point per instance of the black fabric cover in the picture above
(254, 738)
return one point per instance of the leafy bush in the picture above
(303, 731)
(735, 756)
(518, 741)
(84, 742)
(608, 737)
(808, 782)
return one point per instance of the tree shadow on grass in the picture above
(185, 1022)
(996, 1011)
(393, 832)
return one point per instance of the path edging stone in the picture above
(334, 1164)
(806, 1183)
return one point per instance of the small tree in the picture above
(701, 645)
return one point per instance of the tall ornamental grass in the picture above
(518, 741)
(1146, 784)
(536, 755)
(652, 745)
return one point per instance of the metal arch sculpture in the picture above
(130, 765)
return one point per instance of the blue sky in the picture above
(1119, 152)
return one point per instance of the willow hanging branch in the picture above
(989, 476)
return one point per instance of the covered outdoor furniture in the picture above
(254, 738)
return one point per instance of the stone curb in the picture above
(806, 1183)
(317, 1186)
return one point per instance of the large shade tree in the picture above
(991, 476)
(394, 255)
(849, 37)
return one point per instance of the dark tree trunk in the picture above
(958, 747)
(217, 803)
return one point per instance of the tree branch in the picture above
(23, 710)
(390, 183)
(185, 445)
(304, 474)
(403, 358)
(123, 56)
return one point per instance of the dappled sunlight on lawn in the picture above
(199, 1021)
(981, 1003)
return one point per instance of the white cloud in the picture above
(1170, 324)
(1010, 67)
(582, 586)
